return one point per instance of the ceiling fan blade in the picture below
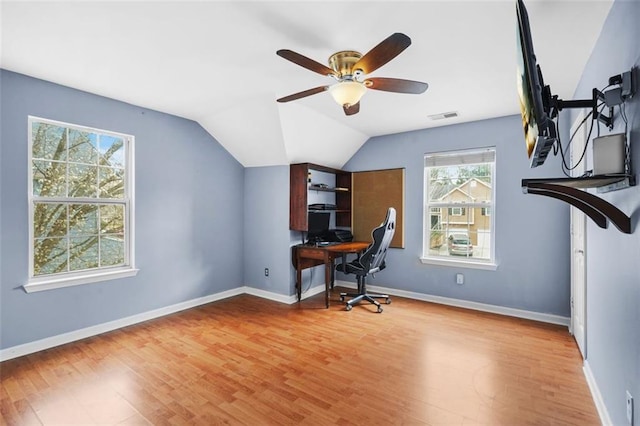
(396, 85)
(351, 109)
(303, 94)
(305, 62)
(388, 49)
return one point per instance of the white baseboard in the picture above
(519, 313)
(596, 395)
(61, 339)
(276, 297)
(72, 336)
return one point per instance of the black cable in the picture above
(563, 152)
(584, 150)
(310, 281)
(627, 149)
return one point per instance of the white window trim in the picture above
(51, 282)
(470, 263)
(67, 279)
(490, 264)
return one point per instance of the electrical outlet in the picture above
(629, 409)
(266, 272)
(459, 279)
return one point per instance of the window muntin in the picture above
(459, 199)
(80, 200)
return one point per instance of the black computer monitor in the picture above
(318, 225)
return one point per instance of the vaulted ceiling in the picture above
(215, 62)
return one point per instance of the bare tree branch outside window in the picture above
(79, 195)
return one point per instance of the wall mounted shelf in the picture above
(570, 190)
(315, 187)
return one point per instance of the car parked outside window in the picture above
(460, 244)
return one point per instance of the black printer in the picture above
(338, 235)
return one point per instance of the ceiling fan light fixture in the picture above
(347, 92)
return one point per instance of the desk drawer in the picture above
(311, 253)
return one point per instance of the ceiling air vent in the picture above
(442, 116)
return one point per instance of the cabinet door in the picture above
(298, 197)
(343, 199)
(373, 193)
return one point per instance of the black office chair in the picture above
(370, 262)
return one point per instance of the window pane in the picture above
(83, 219)
(83, 181)
(111, 183)
(50, 256)
(83, 147)
(111, 151)
(49, 179)
(49, 220)
(481, 240)
(112, 219)
(69, 165)
(83, 253)
(480, 184)
(111, 249)
(49, 141)
(440, 182)
(459, 180)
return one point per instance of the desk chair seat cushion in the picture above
(357, 268)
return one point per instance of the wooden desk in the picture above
(306, 256)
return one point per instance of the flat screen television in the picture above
(317, 225)
(535, 98)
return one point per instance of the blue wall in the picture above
(267, 238)
(532, 232)
(266, 233)
(613, 271)
(188, 218)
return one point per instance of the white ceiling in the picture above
(215, 62)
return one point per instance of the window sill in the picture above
(68, 280)
(489, 266)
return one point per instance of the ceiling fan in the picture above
(349, 68)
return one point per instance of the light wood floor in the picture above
(246, 360)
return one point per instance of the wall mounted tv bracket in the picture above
(612, 97)
(570, 190)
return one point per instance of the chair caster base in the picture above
(367, 297)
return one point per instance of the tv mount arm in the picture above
(611, 98)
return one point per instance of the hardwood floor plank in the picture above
(246, 360)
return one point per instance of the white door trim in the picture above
(578, 243)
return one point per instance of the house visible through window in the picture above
(80, 201)
(459, 199)
(456, 211)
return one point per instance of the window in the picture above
(457, 211)
(459, 200)
(80, 205)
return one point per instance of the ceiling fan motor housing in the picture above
(342, 63)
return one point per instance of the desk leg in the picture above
(327, 277)
(299, 281)
(333, 272)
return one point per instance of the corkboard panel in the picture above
(373, 192)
